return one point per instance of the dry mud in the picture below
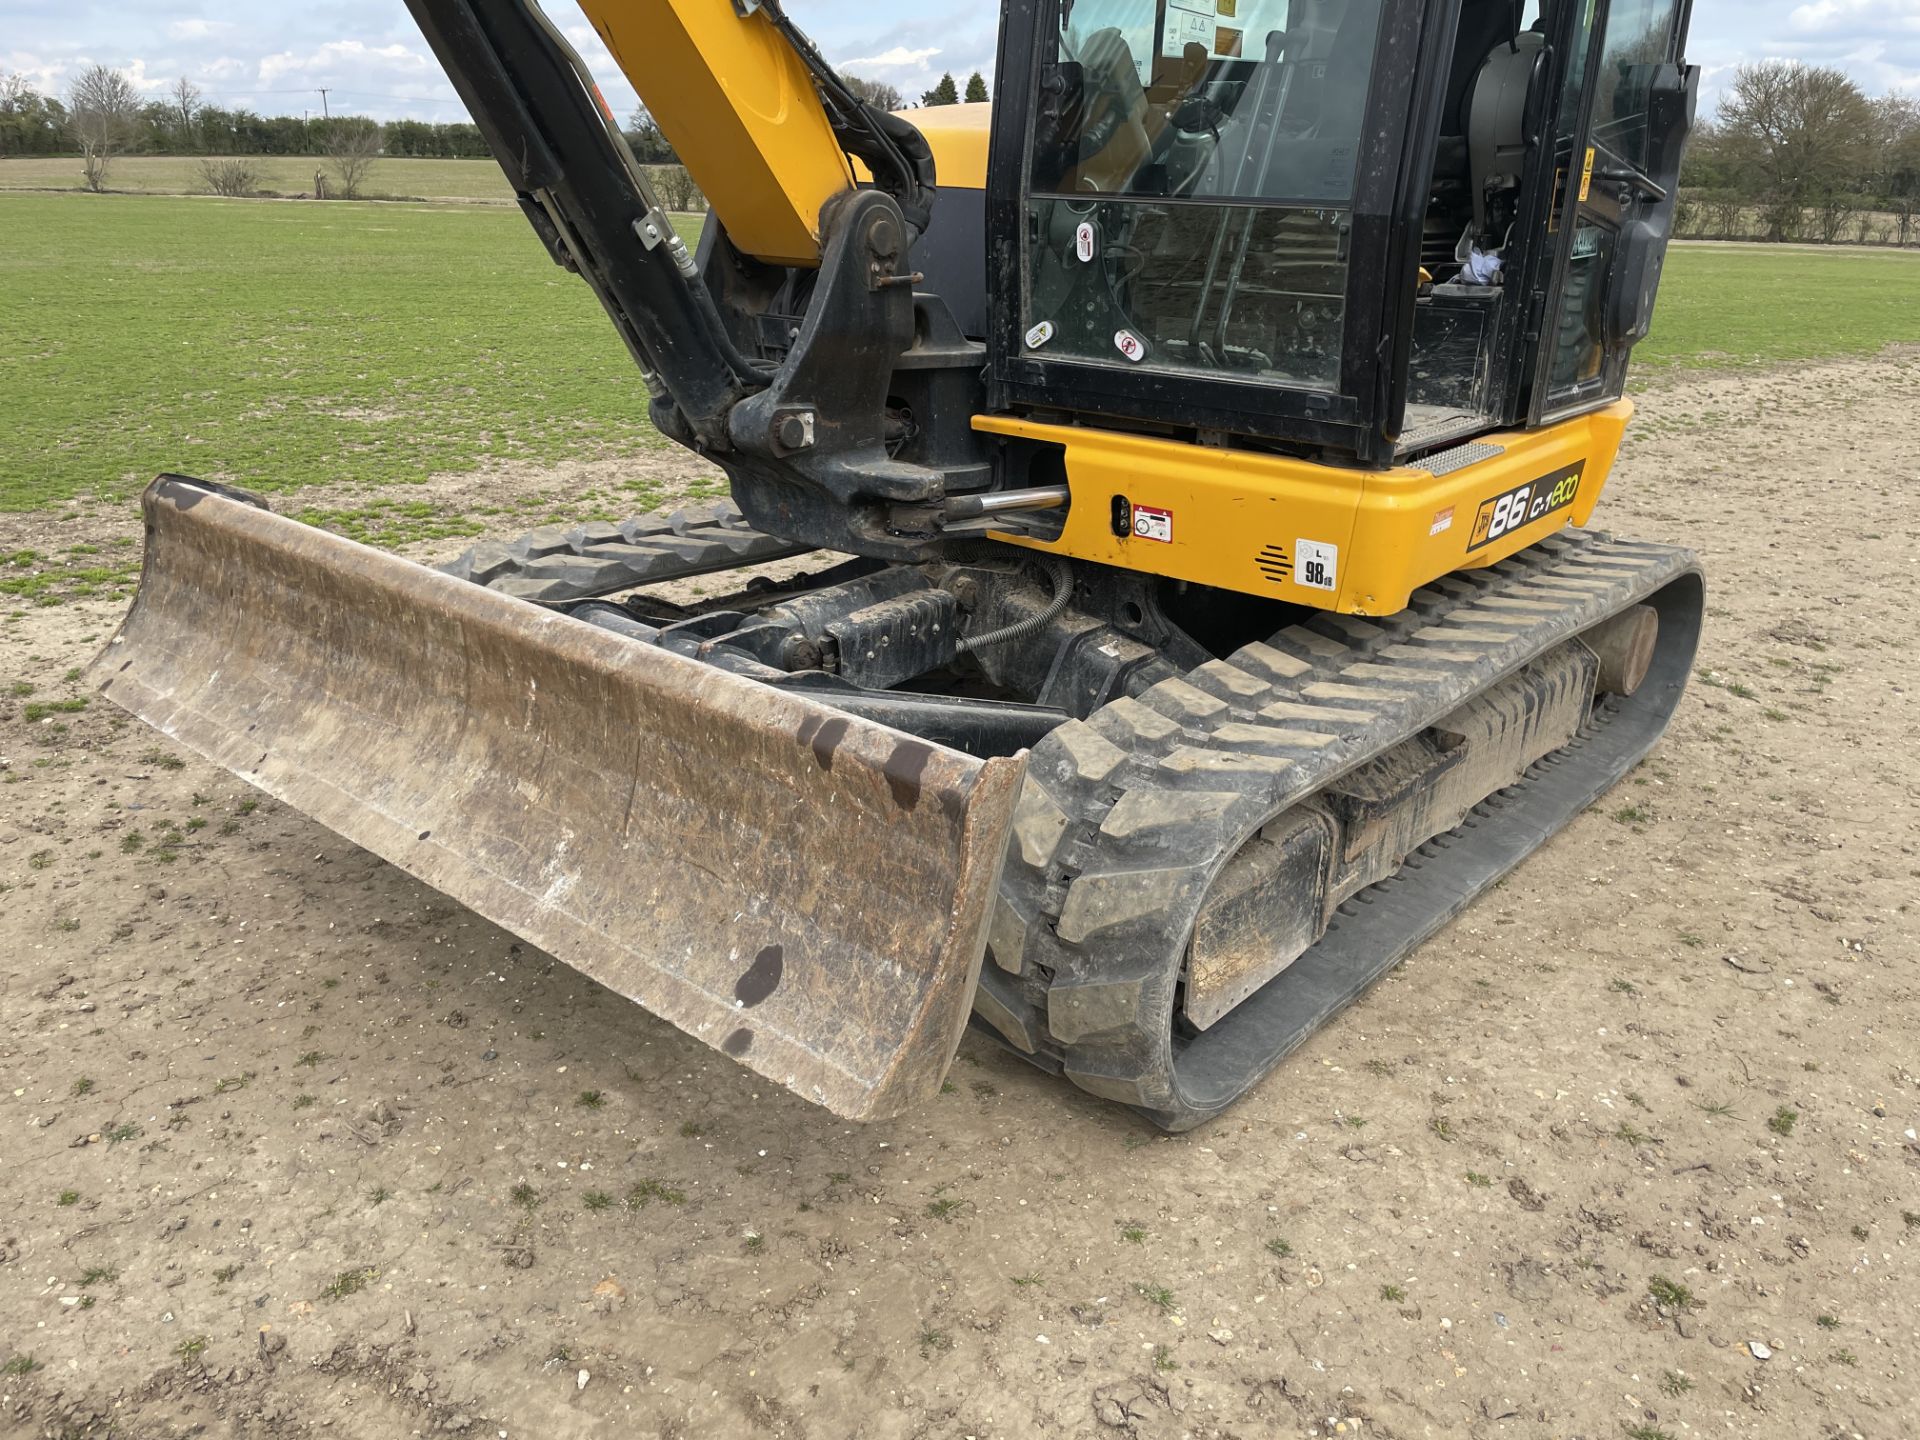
(297, 1148)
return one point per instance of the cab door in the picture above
(1627, 111)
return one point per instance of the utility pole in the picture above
(324, 115)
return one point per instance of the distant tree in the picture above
(231, 176)
(352, 143)
(184, 101)
(102, 106)
(649, 146)
(30, 123)
(877, 93)
(1707, 166)
(945, 93)
(976, 89)
(1897, 141)
(1799, 135)
(677, 188)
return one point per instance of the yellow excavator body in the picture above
(1191, 454)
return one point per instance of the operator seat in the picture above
(1116, 125)
(1502, 120)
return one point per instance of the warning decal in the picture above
(1151, 524)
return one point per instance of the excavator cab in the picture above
(1181, 473)
(1370, 227)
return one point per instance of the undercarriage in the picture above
(1235, 818)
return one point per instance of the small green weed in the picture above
(590, 1099)
(38, 710)
(1279, 1248)
(596, 1200)
(1782, 1121)
(1674, 1384)
(525, 1196)
(68, 1197)
(1392, 1293)
(1669, 1294)
(1158, 1296)
(348, 1282)
(643, 1193)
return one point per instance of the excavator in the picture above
(1181, 474)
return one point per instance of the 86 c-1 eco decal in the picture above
(1525, 504)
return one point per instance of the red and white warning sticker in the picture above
(1130, 345)
(1083, 242)
(1151, 524)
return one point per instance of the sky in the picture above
(371, 59)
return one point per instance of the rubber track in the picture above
(1127, 817)
(556, 564)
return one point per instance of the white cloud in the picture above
(196, 29)
(1856, 15)
(898, 58)
(348, 59)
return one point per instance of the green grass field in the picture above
(278, 345)
(1735, 306)
(282, 345)
(281, 174)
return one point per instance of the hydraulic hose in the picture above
(1060, 576)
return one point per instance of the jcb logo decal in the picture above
(1504, 514)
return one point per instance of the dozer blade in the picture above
(806, 891)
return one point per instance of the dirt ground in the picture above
(305, 1150)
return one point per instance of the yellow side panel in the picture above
(740, 109)
(958, 136)
(1356, 541)
(1223, 508)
